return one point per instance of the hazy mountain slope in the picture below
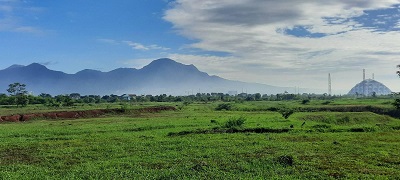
(159, 77)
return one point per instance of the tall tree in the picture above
(17, 88)
(398, 72)
(396, 102)
(19, 92)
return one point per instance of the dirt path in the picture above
(79, 114)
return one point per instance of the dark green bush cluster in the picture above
(326, 102)
(305, 101)
(286, 112)
(224, 106)
(322, 126)
(235, 123)
(124, 107)
(285, 160)
(396, 103)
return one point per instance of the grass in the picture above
(328, 145)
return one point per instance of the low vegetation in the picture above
(169, 140)
(202, 136)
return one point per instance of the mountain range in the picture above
(161, 76)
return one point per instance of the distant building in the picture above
(126, 97)
(75, 96)
(232, 93)
(242, 95)
(369, 87)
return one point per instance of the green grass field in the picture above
(195, 143)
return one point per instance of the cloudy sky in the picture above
(289, 43)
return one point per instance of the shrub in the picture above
(235, 123)
(323, 126)
(223, 106)
(124, 107)
(396, 103)
(326, 103)
(285, 160)
(213, 121)
(305, 101)
(286, 112)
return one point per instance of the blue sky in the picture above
(283, 43)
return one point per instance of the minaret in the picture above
(363, 74)
(329, 85)
(363, 82)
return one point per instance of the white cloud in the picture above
(136, 46)
(108, 41)
(154, 46)
(139, 46)
(28, 29)
(251, 32)
(133, 45)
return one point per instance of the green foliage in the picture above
(17, 89)
(125, 107)
(64, 100)
(286, 112)
(214, 121)
(235, 123)
(224, 106)
(19, 92)
(22, 100)
(285, 160)
(396, 103)
(186, 145)
(326, 102)
(184, 104)
(305, 101)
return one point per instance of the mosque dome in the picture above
(368, 87)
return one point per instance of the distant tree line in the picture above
(18, 95)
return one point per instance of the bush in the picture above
(223, 106)
(285, 160)
(286, 112)
(326, 103)
(305, 101)
(322, 126)
(214, 121)
(396, 103)
(124, 107)
(235, 123)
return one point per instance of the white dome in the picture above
(368, 87)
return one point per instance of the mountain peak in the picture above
(36, 66)
(162, 76)
(88, 71)
(165, 63)
(162, 62)
(15, 66)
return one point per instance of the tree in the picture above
(286, 112)
(17, 88)
(64, 100)
(19, 92)
(398, 72)
(396, 102)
